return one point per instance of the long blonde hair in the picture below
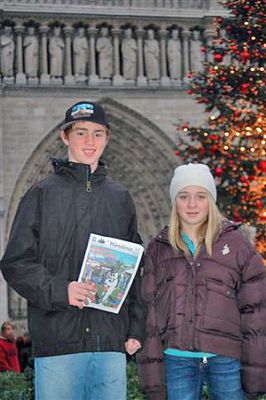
(206, 232)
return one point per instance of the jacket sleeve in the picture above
(4, 364)
(136, 306)
(21, 263)
(150, 358)
(252, 304)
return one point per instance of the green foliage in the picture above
(20, 386)
(133, 386)
(16, 386)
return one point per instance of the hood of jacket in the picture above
(227, 226)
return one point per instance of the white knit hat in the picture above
(192, 175)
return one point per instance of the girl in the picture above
(205, 287)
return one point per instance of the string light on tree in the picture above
(233, 139)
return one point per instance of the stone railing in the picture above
(199, 4)
(56, 53)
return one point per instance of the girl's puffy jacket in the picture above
(212, 304)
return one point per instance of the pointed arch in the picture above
(140, 155)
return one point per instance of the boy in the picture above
(79, 351)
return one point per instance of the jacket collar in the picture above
(79, 172)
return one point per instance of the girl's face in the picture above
(192, 206)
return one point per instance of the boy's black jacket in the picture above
(45, 252)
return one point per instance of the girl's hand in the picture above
(132, 345)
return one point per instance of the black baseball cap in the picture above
(85, 111)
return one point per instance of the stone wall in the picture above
(144, 106)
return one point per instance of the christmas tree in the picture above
(232, 142)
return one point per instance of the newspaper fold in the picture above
(111, 265)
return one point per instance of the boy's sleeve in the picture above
(136, 305)
(21, 265)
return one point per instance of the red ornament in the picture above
(259, 204)
(262, 166)
(177, 153)
(218, 171)
(244, 88)
(219, 20)
(213, 137)
(218, 57)
(244, 178)
(214, 148)
(201, 151)
(245, 56)
(237, 216)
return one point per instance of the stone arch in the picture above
(140, 155)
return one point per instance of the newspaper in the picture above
(111, 265)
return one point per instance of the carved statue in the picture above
(105, 50)
(151, 56)
(174, 55)
(81, 52)
(56, 52)
(197, 56)
(7, 52)
(129, 55)
(30, 45)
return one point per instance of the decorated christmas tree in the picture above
(232, 87)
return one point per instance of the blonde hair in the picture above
(206, 232)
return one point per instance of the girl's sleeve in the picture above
(150, 358)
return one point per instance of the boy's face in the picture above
(86, 142)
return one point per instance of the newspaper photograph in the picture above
(111, 265)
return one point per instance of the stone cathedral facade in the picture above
(134, 57)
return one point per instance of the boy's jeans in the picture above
(186, 376)
(81, 376)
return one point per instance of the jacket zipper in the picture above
(88, 179)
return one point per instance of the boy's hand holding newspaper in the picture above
(78, 292)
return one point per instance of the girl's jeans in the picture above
(185, 377)
(81, 376)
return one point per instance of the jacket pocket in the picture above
(221, 313)
(165, 303)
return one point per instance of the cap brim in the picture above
(64, 126)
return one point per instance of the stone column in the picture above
(185, 34)
(117, 78)
(20, 76)
(45, 77)
(93, 77)
(141, 79)
(165, 80)
(209, 35)
(68, 76)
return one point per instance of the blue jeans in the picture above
(185, 377)
(81, 376)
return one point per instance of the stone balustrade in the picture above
(198, 4)
(80, 53)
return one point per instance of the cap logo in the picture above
(82, 110)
